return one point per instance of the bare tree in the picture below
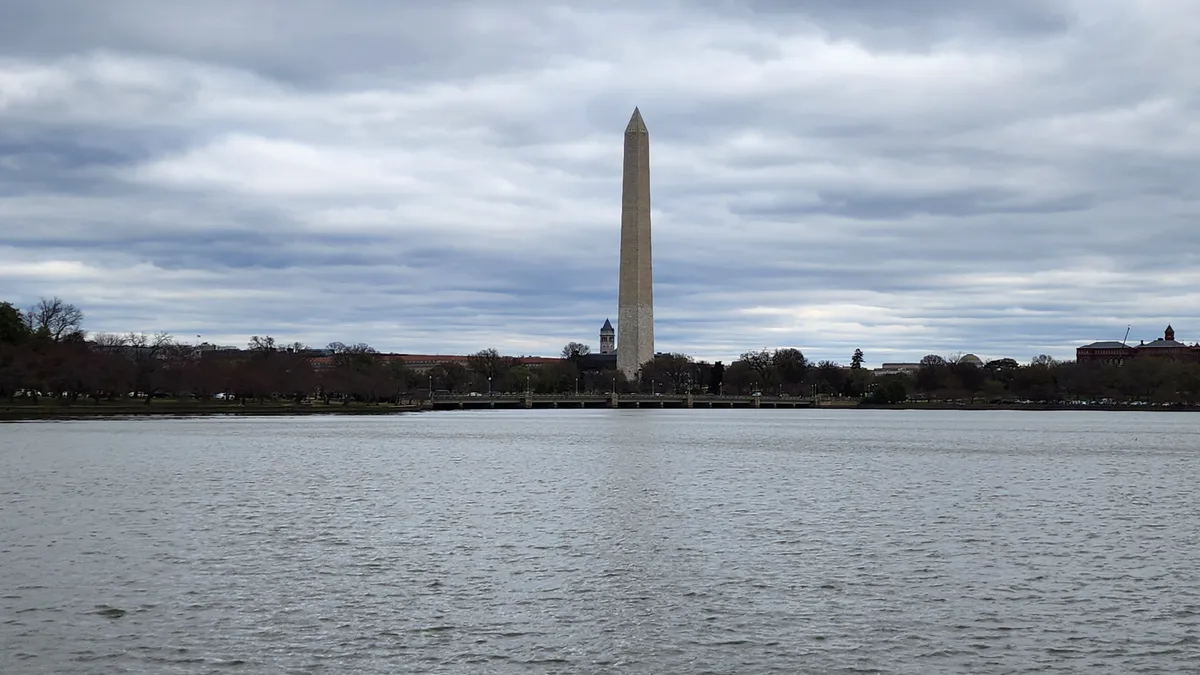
(343, 348)
(830, 377)
(265, 344)
(356, 373)
(150, 354)
(932, 374)
(489, 364)
(762, 364)
(573, 349)
(669, 371)
(452, 376)
(360, 357)
(790, 368)
(58, 320)
(109, 342)
(154, 343)
(110, 370)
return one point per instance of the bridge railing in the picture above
(607, 394)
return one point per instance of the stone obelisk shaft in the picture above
(635, 297)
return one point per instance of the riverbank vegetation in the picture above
(46, 354)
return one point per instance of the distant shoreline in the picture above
(59, 411)
(1036, 407)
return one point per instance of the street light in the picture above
(489, 385)
(430, 387)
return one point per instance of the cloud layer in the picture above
(934, 176)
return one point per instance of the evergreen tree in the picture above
(13, 329)
(856, 361)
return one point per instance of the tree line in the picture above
(45, 351)
(1144, 379)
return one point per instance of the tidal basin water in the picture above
(606, 541)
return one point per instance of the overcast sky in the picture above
(906, 177)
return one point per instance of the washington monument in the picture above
(635, 296)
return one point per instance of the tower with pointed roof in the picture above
(608, 338)
(635, 295)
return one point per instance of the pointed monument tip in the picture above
(635, 122)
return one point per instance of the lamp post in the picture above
(489, 385)
(577, 386)
(430, 387)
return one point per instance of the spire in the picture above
(607, 327)
(636, 125)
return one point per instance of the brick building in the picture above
(1118, 352)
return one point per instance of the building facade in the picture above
(1118, 352)
(419, 363)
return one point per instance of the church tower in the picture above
(608, 338)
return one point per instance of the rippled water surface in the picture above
(669, 541)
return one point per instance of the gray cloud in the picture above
(906, 177)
